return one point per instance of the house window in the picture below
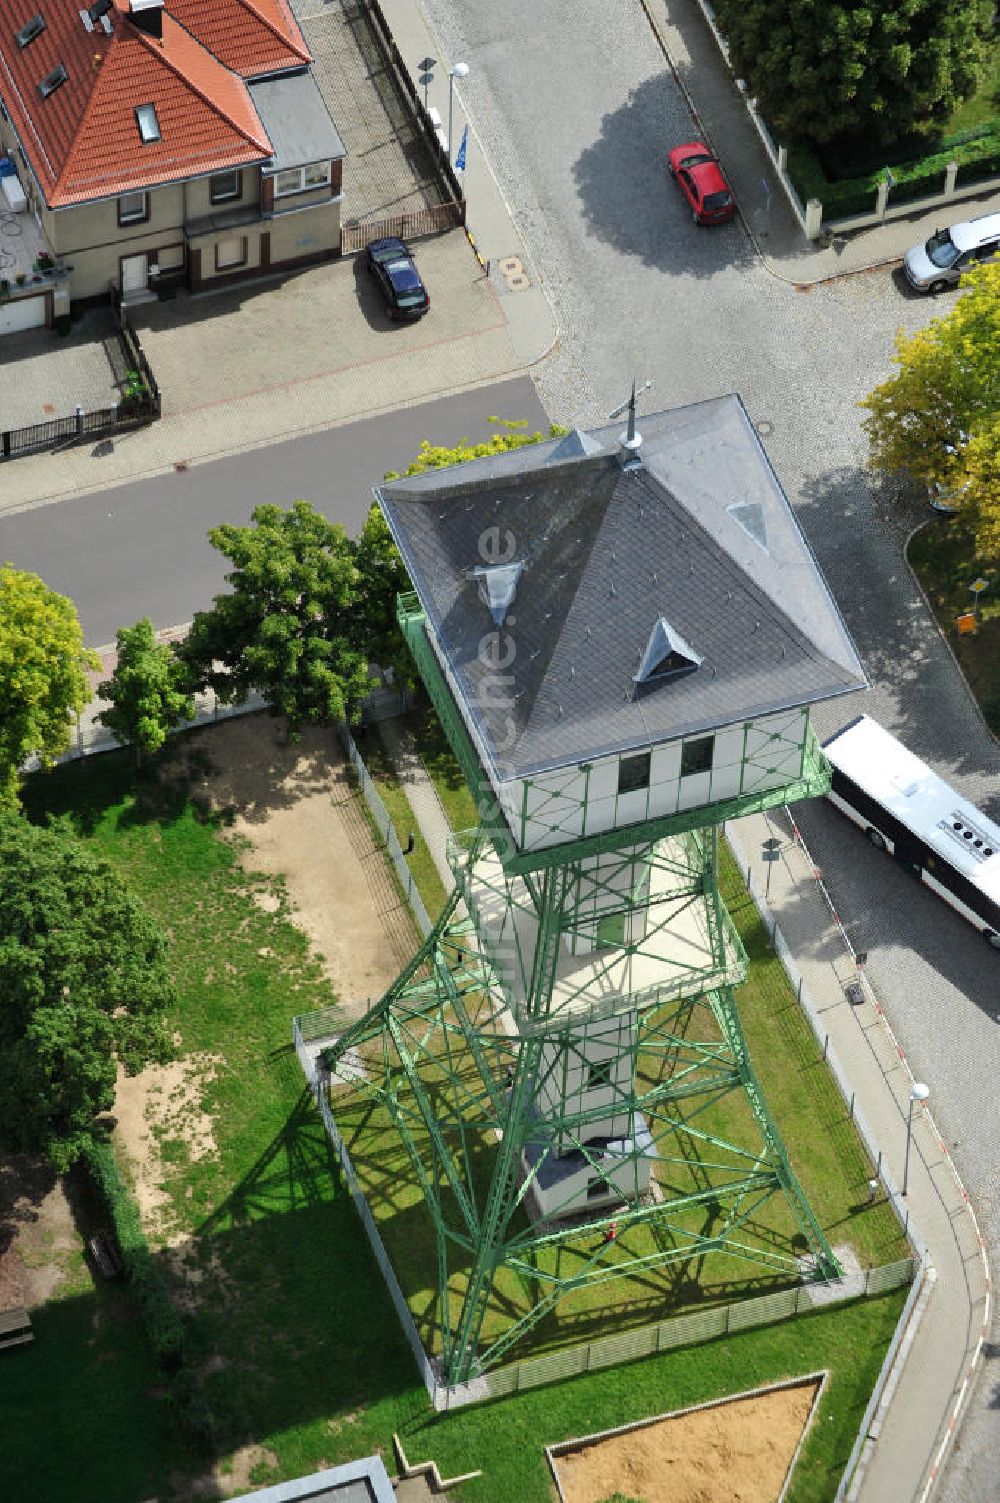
(149, 125)
(231, 252)
(133, 208)
(224, 186)
(633, 773)
(696, 756)
(301, 179)
(599, 1074)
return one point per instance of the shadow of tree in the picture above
(629, 201)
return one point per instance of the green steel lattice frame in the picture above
(460, 1049)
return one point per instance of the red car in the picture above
(700, 177)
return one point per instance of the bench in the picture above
(105, 1255)
(15, 1327)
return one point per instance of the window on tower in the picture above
(633, 773)
(696, 756)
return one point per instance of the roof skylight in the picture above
(667, 655)
(750, 516)
(30, 30)
(149, 126)
(497, 586)
(52, 80)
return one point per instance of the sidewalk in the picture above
(907, 1451)
(717, 104)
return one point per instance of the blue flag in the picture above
(460, 159)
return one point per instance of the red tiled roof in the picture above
(83, 141)
(253, 37)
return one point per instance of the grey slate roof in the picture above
(701, 534)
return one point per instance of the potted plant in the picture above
(45, 263)
(134, 393)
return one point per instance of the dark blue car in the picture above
(393, 268)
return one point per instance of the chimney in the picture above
(147, 15)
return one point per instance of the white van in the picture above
(949, 253)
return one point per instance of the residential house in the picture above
(150, 142)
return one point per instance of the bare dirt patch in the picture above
(737, 1452)
(38, 1234)
(303, 820)
(164, 1101)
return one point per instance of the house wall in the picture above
(90, 238)
(748, 757)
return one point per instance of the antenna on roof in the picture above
(630, 440)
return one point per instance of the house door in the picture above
(135, 274)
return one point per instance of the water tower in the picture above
(622, 640)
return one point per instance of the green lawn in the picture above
(943, 557)
(393, 795)
(292, 1331)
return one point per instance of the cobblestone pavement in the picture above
(388, 168)
(638, 289)
(44, 377)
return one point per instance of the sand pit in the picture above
(739, 1451)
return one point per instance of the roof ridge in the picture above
(213, 104)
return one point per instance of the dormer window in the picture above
(52, 80)
(149, 126)
(30, 30)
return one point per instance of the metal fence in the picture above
(103, 422)
(427, 221)
(433, 218)
(387, 830)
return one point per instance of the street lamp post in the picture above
(457, 70)
(918, 1092)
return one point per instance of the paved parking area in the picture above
(389, 169)
(276, 336)
(44, 375)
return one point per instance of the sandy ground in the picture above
(37, 1231)
(731, 1453)
(295, 806)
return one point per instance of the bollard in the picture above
(826, 1045)
(80, 415)
(852, 1106)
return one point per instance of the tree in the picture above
(937, 420)
(145, 692)
(43, 666)
(288, 628)
(879, 69)
(83, 986)
(381, 570)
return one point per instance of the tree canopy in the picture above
(878, 69)
(145, 696)
(83, 986)
(937, 420)
(43, 667)
(288, 628)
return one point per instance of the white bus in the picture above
(906, 809)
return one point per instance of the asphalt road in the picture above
(142, 549)
(638, 289)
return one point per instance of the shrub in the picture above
(194, 1418)
(164, 1330)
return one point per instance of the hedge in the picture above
(163, 1325)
